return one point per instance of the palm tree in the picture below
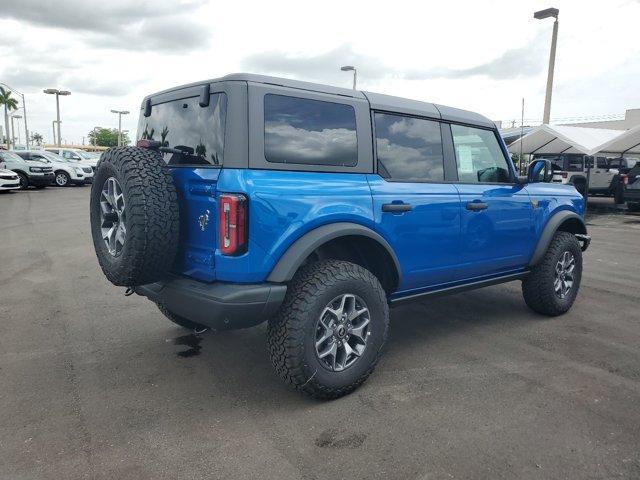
(36, 137)
(9, 103)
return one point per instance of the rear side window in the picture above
(188, 133)
(409, 149)
(479, 156)
(309, 132)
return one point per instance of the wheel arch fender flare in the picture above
(563, 220)
(298, 251)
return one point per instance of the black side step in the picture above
(458, 288)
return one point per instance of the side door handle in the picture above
(477, 206)
(397, 207)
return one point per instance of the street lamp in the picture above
(57, 93)
(120, 113)
(24, 109)
(13, 130)
(540, 15)
(349, 68)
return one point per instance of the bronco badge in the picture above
(203, 220)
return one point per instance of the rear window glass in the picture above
(188, 133)
(309, 132)
(409, 148)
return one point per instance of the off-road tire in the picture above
(152, 219)
(178, 320)
(24, 181)
(537, 287)
(291, 332)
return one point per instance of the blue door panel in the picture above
(425, 239)
(499, 238)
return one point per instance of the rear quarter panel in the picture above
(283, 206)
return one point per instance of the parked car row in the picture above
(40, 168)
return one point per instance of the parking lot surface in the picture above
(94, 384)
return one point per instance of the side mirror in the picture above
(539, 171)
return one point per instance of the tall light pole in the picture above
(351, 68)
(120, 113)
(24, 109)
(57, 93)
(13, 130)
(540, 15)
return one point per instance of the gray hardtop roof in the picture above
(377, 101)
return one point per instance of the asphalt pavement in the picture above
(94, 384)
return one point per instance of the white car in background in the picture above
(67, 172)
(75, 154)
(9, 180)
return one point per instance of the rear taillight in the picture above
(233, 224)
(565, 174)
(625, 179)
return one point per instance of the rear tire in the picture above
(179, 320)
(544, 289)
(305, 329)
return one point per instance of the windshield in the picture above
(10, 156)
(53, 157)
(82, 154)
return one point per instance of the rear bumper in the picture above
(220, 306)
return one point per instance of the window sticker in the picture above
(465, 159)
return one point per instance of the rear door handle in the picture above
(477, 206)
(396, 207)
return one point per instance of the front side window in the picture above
(479, 156)
(408, 148)
(188, 133)
(309, 132)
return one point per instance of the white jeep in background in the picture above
(573, 169)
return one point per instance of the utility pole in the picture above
(547, 13)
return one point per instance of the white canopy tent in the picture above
(627, 142)
(548, 139)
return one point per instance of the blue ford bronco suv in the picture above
(251, 198)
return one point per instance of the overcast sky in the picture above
(478, 55)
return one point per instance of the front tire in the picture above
(24, 181)
(553, 284)
(329, 332)
(62, 179)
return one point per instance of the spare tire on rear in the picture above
(134, 216)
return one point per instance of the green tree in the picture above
(36, 138)
(107, 137)
(9, 103)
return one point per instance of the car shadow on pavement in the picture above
(239, 362)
